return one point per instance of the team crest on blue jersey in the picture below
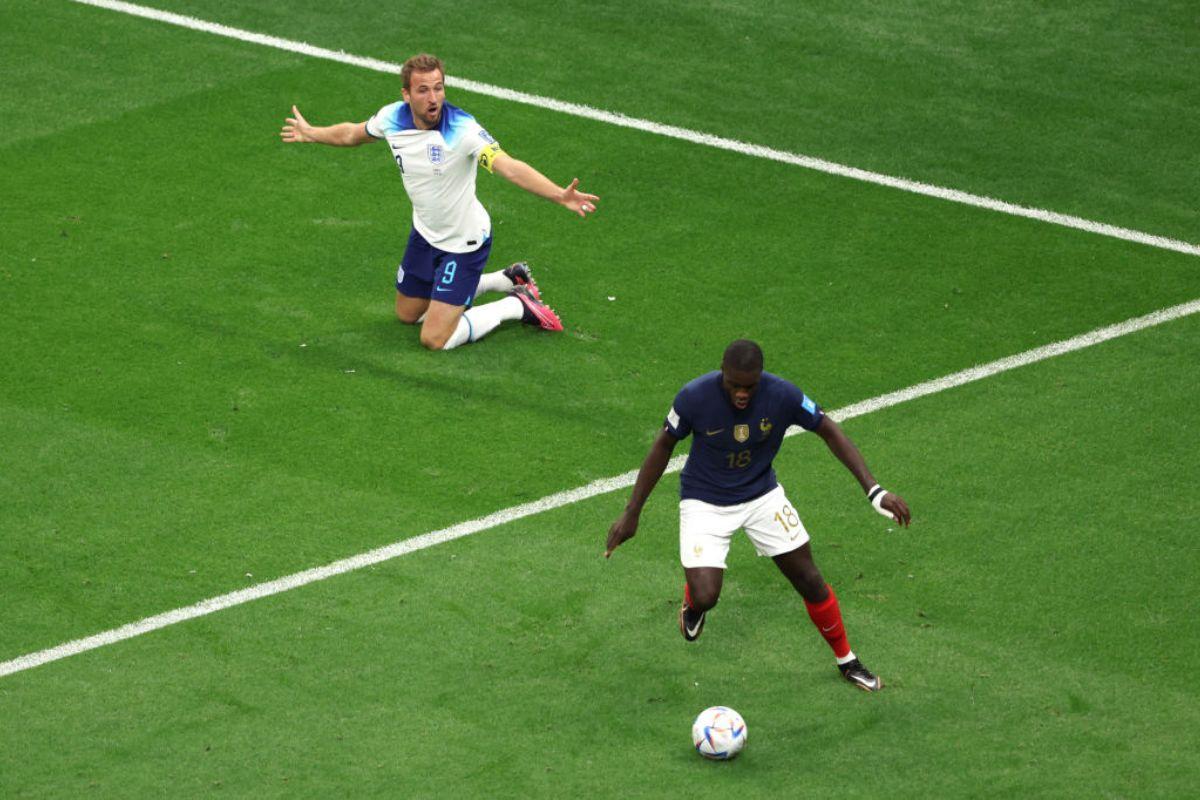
(741, 432)
(436, 153)
(487, 137)
(765, 426)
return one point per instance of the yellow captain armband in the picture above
(487, 156)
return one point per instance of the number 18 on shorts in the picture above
(706, 530)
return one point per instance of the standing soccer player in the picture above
(436, 147)
(738, 417)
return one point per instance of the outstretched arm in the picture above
(840, 445)
(534, 182)
(344, 134)
(652, 469)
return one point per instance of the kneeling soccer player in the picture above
(738, 416)
(436, 147)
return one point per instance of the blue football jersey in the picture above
(733, 449)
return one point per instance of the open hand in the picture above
(297, 128)
(581, 203)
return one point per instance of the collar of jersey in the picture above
(738, 413)
(405, 118)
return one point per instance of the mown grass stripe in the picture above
(569, 497)
(671, 131)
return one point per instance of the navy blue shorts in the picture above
(429, 273)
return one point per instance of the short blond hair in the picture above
(422, 62)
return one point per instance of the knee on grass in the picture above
(407, 317)
(433, 341)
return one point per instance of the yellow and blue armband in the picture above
(487, 156)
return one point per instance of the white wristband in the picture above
(876, 494)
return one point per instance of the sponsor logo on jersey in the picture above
(741, 432)
(436, 153)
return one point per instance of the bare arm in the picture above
(344, 134)
(534, 182)
(840, 445)
(648, 476)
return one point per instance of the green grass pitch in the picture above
(205, 388)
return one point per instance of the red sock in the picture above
(828, 618)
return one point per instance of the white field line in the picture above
(569, 497)
(695, 137)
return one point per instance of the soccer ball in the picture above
(719, 733)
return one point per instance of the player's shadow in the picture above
(415, 370)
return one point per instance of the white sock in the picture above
(846, 659)
(478, 321)
(461, 334)
(494, 282)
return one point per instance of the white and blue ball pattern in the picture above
(719, 733)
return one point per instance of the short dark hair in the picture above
(743, 355)
(422, 62)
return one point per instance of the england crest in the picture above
(741, 432)
(436, 153)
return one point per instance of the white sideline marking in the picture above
(569, 497)
(684, 134)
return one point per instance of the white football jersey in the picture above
(438, 168)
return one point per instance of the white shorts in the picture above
(705, 530)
